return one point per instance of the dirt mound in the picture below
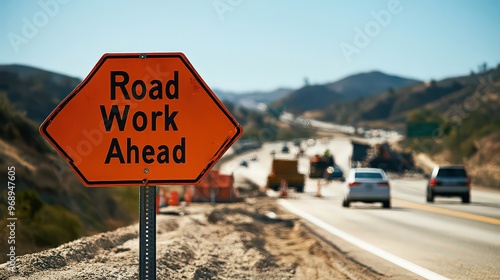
(250, 240)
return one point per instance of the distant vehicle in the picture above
(334, 173)
(296, 143)
(367, 185)
(254, 158)
(449, 181)
(246, 145)
(244, 163)
(300, 153)
(285, 149)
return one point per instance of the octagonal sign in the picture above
(141, 117)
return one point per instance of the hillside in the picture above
(251, 100)
(392, 106)
(34, 91)
(52, 206)
(368, 84)
(318, 97)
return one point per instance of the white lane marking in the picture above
(365, 246)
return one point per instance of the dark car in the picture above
(285, 149)
(449, 181)
(297, 143)
(334, 173)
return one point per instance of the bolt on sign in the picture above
(141, 117)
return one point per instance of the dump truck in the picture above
(359, 153)
(287, 170)
(384, 157)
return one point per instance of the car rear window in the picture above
(367, 175)
(452, 172)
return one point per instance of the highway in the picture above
(413, 240)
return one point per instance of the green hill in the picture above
(34, 91)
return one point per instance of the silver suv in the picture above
(449, 180)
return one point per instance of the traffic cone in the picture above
(187, 195)
(283, 189)
(174, 198)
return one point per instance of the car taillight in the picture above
(352, 184)
(383, 184)
(432, 183)
(468, 182)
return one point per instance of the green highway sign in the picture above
(421, 129)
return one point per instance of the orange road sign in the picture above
(140, 117)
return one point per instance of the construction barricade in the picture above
(215, 187)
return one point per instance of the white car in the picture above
(367, 185)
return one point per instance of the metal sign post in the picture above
(147, 232)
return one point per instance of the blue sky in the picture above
(245, 45)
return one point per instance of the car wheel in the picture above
(430, 196)
(300, 189)
(466, 198)
(274, 188)
(386, 204)
(345, 203)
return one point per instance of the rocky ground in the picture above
(254, 239)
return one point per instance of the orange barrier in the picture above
(174, 199)
(215, 187)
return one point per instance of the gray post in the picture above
(147, 232)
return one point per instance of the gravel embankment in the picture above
(248, 240)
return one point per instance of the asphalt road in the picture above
(413, 240)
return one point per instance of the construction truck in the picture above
(318, 165)
(287, 170)
(382, 156)
(325, 168)
(359, 153)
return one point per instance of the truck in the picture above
(318, 165)
(287, 170)
(325, 168)
(384, 157)
(359, 153)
